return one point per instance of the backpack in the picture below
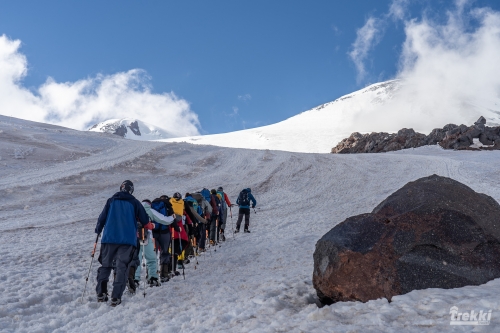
(162, 206)
(206, 194)
(202, 202)
(196, 206)
(243, 199)
(223, 204)
(217, 200)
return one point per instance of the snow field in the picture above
(258, 282)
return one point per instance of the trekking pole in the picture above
(216, 233)
(91, 261)
(194, 250)
(172, 253)
(183, 256)
(232, 222)
(209, 245)
(143, 262)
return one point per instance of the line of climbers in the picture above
(152, 231)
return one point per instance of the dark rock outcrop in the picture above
(432, 233)
(121, 131)
(134, 127)
(450, 136)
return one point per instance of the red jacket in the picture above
(226, 199)
(182, 235)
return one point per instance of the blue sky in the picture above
(239, 64)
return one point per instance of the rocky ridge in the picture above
(451, 136)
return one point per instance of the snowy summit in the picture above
(381, 107)
(131, 129)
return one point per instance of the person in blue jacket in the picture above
(244, 202)
(118, 224)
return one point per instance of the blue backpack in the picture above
(162, 206)
(206, 194)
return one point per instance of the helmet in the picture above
(177, 196)
(127, 186)
(219, 189)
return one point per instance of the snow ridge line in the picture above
(123, 151)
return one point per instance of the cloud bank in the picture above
(449, 72)
(83, 103)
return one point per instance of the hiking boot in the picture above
(186, 261)
(236, 231)
(102, 297)
(176, 273)
(115, 302)
(164, 279)
(153, 282)
(222, 238)
(131, 285)
(247, 231)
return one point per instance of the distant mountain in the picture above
(131, 129)
(381, 107)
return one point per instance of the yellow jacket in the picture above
(177, 206)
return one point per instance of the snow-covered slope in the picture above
(258, 282)
(131, 129)
(386, 106)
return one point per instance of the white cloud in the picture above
(397, 9)
(245, 97)
(449, 73)
(85, 102)
(366, 38)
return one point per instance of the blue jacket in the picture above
(119, 219)
(250, 197)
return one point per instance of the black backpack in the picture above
(243, 199)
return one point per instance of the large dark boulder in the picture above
(432, 233)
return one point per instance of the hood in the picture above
(123, 196)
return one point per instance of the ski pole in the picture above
(91, 261)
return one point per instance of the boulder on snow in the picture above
(432, 233)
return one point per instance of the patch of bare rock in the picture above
(450, 136)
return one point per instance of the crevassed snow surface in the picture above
(53, 189)
(382, 107)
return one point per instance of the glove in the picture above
(176, 227)
(149, 226)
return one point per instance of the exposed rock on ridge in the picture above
(450, 136)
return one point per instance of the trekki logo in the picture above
(469, 318)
